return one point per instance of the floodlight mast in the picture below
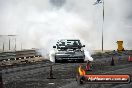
(97, 2)
(103, 29)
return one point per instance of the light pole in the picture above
(15, 44)
(9, 44)
(21, 46)
(103, 29)
(3, 46)
(97, 2)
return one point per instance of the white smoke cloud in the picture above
(39, 24)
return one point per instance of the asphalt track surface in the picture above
(35, 75)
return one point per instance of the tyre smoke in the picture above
(40, 23)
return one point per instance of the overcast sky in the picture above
(39, 23)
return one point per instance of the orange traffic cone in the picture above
(112, 62)
(129, 58)
(51, 73)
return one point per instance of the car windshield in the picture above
(69, 44)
